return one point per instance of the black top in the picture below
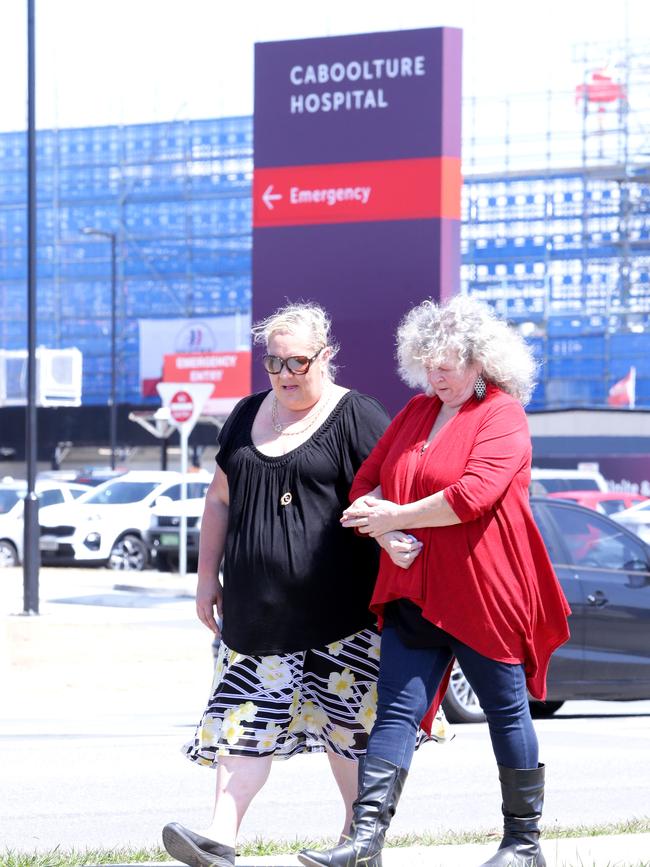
(412, 626)
(293, 577)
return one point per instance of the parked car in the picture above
(605, 573)
(605, 502)
(12, 494)
(108, 527)
(549, 481)
(637, 520)
(163, 535)
(96, 475)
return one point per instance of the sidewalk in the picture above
(88, 641)
(146, 654)
(629, 850)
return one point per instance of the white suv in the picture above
(12, 494)
(551, 481)
(108, 527)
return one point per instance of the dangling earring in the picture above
(479, 387)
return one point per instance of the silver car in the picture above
(636, 519)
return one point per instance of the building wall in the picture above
(177, 195)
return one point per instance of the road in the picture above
(101, 690)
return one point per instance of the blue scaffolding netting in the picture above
(564, 254)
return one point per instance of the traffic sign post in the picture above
(181, 408)
(185, 401)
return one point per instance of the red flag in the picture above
(623, 392)
(600, 87)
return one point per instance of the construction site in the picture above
(555, 235)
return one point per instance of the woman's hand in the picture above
(209, 595)
(402, 548)
(371, 516)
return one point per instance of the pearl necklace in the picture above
(279, 427)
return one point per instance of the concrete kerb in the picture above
(625, 850)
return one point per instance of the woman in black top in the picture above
(298, 662)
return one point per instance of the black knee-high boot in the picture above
(380, 786)
(522, 792)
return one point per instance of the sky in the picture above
(134, 61)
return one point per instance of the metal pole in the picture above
(113, 409)
(182, 549)
(31, 552)
(112, 420)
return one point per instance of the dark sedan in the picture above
(605, 574)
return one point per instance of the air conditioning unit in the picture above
(58, 377)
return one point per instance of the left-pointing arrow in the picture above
(268, 197)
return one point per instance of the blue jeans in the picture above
(409, 679)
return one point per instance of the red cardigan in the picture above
(488, 580)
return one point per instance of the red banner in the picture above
(357, 192)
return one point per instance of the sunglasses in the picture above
(298, 364)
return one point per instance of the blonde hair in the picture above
(429, 333)
(303, 315)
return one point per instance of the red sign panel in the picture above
(181, 407)
(407, 189)
(229, 371)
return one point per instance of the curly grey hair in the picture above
(430, 333)
(303, 315)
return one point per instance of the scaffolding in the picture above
(564, 251)
(555, 234)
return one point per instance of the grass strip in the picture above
(129, 855)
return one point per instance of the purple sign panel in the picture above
(356, 191)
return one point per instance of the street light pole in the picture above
(113, 409)
(31, 552)
(112, 237)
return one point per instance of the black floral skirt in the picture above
(310, 701)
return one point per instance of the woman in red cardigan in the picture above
(474, 582)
